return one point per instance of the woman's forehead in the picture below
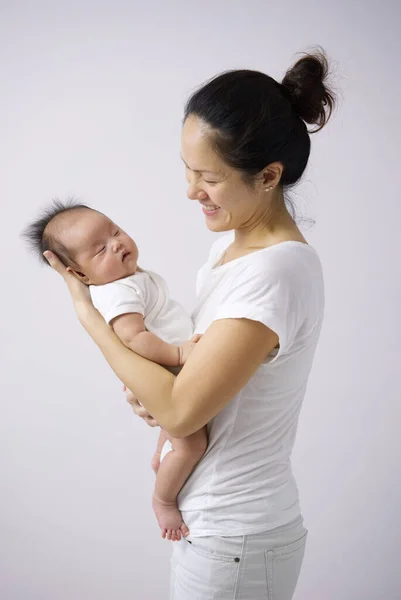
(196, 148)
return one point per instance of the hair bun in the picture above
(305, 87)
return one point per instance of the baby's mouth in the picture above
(125, 254)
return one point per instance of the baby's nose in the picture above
(117, 245)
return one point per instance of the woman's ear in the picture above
(271, 175)
(81, 276)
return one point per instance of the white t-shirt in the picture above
(145, 293)
(244, 483)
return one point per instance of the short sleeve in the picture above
(118, 298)
(267, 295)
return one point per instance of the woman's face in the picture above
(226, 200)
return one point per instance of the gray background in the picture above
(91, 104)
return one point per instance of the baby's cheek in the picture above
(107, 270)
(114, 269)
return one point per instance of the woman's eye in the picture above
(210, 182)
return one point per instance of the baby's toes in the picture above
(184, 530)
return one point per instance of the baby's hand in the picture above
(187, 347)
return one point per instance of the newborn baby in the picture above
(137, 306)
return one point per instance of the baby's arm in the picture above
(131, 330)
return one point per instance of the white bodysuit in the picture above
(145, 293)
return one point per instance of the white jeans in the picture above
(262, 566)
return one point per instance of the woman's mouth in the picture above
(210, 209)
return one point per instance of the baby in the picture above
(137, 306)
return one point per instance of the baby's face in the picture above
(103, 251)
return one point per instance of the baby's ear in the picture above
(81, 276)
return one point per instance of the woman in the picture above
(259, 309)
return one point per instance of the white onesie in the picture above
(145, 293)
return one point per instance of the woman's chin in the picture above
(216, 226)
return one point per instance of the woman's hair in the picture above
(254, 120)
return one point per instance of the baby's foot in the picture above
(170, 520)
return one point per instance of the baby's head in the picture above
(91, 246)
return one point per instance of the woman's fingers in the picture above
(131, 399)
(140, 410)
(137, 407)
(55, 263)
(78, 290)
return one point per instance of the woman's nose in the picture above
(195, 193)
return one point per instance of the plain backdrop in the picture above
(91, 102)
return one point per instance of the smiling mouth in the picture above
(210, 209)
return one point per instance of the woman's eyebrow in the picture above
(199, 170)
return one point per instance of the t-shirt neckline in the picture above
(217, 267)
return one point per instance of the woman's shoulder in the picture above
(292, 266)
(289, 256)
(289, 261)
(285, 256)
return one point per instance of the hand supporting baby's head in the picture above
(88, 243)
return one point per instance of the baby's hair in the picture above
(41, 234)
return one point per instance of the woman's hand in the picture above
(138, 409)
(79, 291)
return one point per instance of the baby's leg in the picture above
(173, 472)
(163, 437)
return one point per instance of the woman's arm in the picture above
(220, 365)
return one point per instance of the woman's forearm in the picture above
(151, 383)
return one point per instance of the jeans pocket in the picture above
(203, 573)
(212, 548)
(283, 565)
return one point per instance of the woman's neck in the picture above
(280, 227)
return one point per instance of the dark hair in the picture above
(40, 236)
(256, 121)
